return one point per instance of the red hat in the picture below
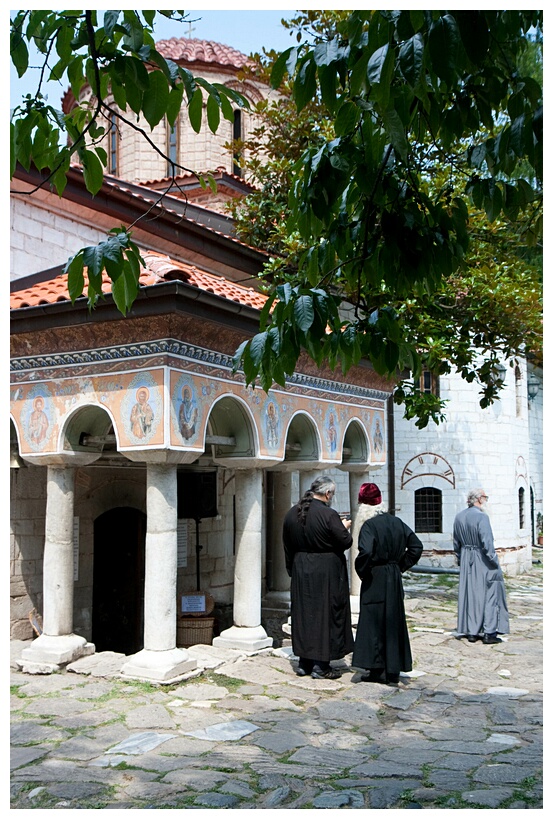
(370, 493)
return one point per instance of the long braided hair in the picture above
(318, 487)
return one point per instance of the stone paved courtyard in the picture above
(463, 730)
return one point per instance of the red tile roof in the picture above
(190, 50)
(159, 268)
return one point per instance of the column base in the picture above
(244, 638)
(159, 666)
(57, 650)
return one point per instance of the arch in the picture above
(303, 441)
(230, 418)
(91, 420)
(356, 447)
(247, 89)
(427, 469)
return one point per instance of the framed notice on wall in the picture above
(193, 604)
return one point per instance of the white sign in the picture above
(193, 603)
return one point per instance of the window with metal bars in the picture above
(428, 510)
(521, 508)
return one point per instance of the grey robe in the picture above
(482, 605)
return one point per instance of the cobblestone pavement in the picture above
(463, 730)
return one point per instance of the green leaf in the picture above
(75, 277)
(195, 110)
(396, 132)
(304, 312)
(411, 56)
(19, 53)
(125, 289)
(346, 118)
(285, 62)
(305, 85)
(213, 114)
(257, 348)
(156, 99)
(443, 45)
(93, 173)
(475, 34)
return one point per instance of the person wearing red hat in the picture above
(387, 547)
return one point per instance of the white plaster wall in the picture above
(535, 432)
(486, 448)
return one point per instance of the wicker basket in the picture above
(194, 630)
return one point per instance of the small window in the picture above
(428, 510)
(236, 137)
(521, 508)
(113, 140)
(430, 383)
(172, 148)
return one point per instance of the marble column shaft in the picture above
(58, 552)
(247, 566)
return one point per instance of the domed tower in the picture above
(130, 156)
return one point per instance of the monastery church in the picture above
(148, 483)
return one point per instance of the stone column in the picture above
(247, 633)
(282, 501)
(160, 659)
(354, 579)
(306, 479)
(57, 644)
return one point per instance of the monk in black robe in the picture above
(315, 541)
(387, 547)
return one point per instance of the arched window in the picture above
(236, 137)
(172, 148)
(113, 140)
(428, 510)
(521, 508)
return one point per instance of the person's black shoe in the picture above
(472, 638)
(491, 639)
(301, 672)
(392, 678)
(325, 674)
(375, 675)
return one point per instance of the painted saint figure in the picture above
(272, 425)
(378, 440)
(188, 414)
(38, 421)
(142, 415)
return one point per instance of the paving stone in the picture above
(20, 757)
(200, 691)
(448, 780)
(280, 741)
(489, 797)
(328, 758)
(56, 707)
(217, 800)
(79, 791)
(339, 799)
(388, 794)
(196, 780)
(354, 713)
(502, 774)
(103, 664)
(402, 700)
(150, 716)
(91, 718)
(276, 797)
(32, 731)
(238, 789)
(385, 768)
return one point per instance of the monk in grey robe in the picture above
(482, 605)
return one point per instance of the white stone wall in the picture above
(486, 448)
(535, 431)
(41, 238)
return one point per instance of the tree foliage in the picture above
(412, 213)
(406, 228)
(129, 79)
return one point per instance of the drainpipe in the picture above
(391, 458)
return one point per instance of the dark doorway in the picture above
(118, 591)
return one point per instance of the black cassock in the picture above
(387, 547)
(319, 588)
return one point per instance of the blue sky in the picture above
(246, 30)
